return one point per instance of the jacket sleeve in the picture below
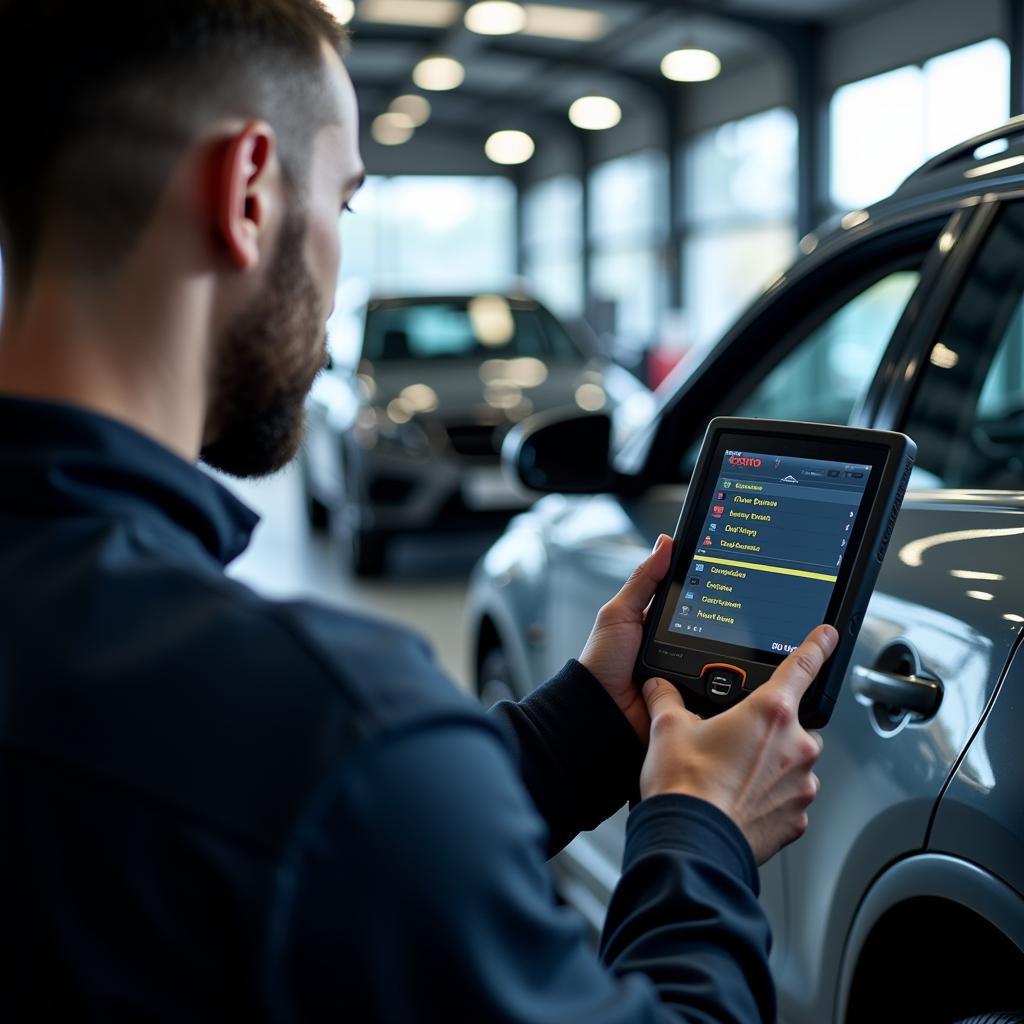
(416, 890)
(578, 756)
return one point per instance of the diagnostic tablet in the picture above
(784, 527)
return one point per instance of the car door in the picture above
(844, 316)
(947, 607)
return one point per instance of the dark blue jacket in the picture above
(215, 807)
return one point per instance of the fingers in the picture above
(798, 671)
(636, 593)
(661, 697)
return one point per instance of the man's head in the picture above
(124, 91)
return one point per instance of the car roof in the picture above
(985, 164)
(515, 299)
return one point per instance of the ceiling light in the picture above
(424, 13)
(438, 74)
(690, 65)
(509, 147)
(343, 10)
(574, 23)
(595, 113)
(416, 108)
(391, 129)
(495, 18)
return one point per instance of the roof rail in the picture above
(1005, 132)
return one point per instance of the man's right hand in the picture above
(753, 761)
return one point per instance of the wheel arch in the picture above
(922, 913)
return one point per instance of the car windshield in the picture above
(483, 327)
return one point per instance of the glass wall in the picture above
(431, 234)
(627, 233)
(884, 127)
(740, 208)
(553, 243)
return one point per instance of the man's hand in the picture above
(753, 761)
(614, 641)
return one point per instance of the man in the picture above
(216, 807)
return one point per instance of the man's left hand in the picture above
(614, 643)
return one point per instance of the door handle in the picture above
(904, 693)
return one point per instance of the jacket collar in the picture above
(57, 458)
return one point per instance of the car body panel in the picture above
(936, 876)
(981, 816)
(879, 789)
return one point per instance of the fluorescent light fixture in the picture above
(981, 595)
(970, 574)
(416, 108)
(495, 18)
(391, 129)
(438, 74)
(574, 23)
(1011, 617)
(595, 113)
(690, 65)
(509, 147)
(343, 10)
(423, 13)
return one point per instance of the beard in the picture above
(265, 364)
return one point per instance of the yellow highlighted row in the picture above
(768, 568)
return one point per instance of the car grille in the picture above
(474, 439)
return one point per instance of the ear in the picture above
(244, 194)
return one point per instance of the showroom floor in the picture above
(425, 587)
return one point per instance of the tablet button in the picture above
(722, 681)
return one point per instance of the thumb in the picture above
(636, 593)
(661, 696)
(802, 666)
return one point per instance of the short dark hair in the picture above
(98, 98)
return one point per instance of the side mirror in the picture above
(561, 451)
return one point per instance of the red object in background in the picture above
(661, 361)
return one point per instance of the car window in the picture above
(482, 327)
(826, 376)
(968, 414)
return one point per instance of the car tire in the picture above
(366, 552)
(994, 1018)
(494, 679)
(318, 514)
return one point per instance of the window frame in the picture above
(790, 310)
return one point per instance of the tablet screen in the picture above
(770, 550)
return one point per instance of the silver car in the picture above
(905, 899)
(405, 437)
